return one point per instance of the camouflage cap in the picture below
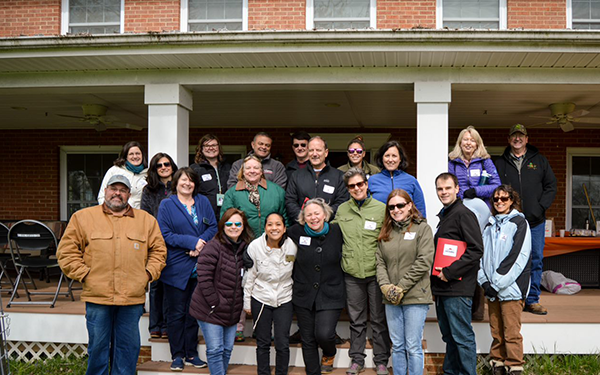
(517, 128)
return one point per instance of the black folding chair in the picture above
(5, 258)
(29, 240)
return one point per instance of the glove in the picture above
(470, 193)
(489, 291)
(247, 260)
(395, 294)
(385, 288)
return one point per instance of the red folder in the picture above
(447, 252)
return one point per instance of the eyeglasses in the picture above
(303, 145)
(397, 205)
(216, 145)
(355, 150)
(503, 199)
(161, 165)
(357, 185)
(238, 224)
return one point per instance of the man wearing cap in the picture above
(114, 250)
(530, 174)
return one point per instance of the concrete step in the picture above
(163, 368)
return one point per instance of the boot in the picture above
(497, 367)
(514, 370)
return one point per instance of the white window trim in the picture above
(64, 18)
(66, 150)
(184, 16)
(502, 24)
(575, 151)
(570, 16)
(310, 15)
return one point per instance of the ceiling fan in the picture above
(95, 115)
(564, 114)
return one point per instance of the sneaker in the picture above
(327, 365)
(155, 335)
(515, 370)
(536, 308)
(196, 362)
(295, 338)
(355, 369)
(382, 370)
(177, 364)
(497, 367)
(164, 335)
(239, 336)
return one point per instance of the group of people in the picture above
(268, 240)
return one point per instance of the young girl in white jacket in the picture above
(268, 293)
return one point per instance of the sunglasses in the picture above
(357, 185)
(238, 224)
(296, 145)
(161, 165)
(355, 150)
(503, 199)
(397, 205)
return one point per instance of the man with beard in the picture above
(114, 250)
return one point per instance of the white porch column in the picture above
(168, 120)
(433, 100)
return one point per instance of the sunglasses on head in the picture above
(357, 185)
(503, 199)
(161, 165)
(231, 223)
(296, 145)
(355, 150)
(399, 206)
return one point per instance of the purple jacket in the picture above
(219, 297)
(468, 177)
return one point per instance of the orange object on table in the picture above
(565, 245)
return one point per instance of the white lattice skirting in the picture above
(34, 351)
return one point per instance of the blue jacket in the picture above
(506, 259)
(181, 235)
(382, 184)
(468, 177)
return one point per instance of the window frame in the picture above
(184, 16)
(571, 152)
(64, 19)
(570, 20)
(310, 14)
(502, 22)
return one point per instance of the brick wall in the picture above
(142, 16)
(30, 184)
(551, 14)
(276, 14)
(393, 14)
(29, 17)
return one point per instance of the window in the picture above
(341, 14)
(210, 15)
(585, 14)
(475, 14)
(583, 169)
(92, 16)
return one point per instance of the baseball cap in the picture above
(120, 179)
(517, 128)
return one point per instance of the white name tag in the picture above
(475, 173)
(304, 240)
(503, 237)
(450, 250)
(328, 189)
(206, 177)
(370, 225)
(220, 199)
(409, 236)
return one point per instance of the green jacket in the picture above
(406, 262)
(272, 199)
(360, 228)
(369, 169)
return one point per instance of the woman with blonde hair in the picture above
(471, 164)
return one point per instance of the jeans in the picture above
(406, 324)
(317, 328)
(219, 345)
(537, 259)
(281, 318)
(364, 295)
(113, 338)
(181, 326)
(158, 308)
(454, 319)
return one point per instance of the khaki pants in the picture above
(505, 324)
